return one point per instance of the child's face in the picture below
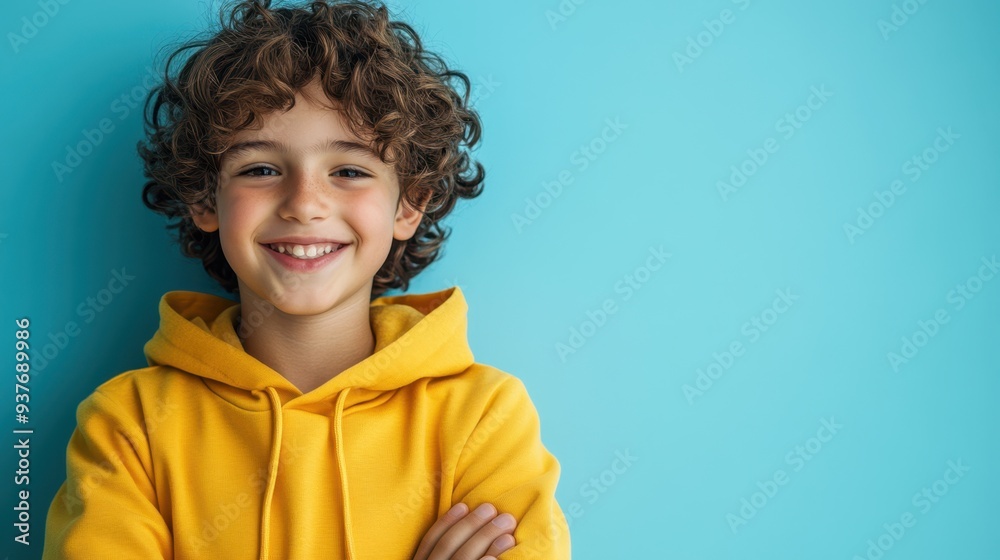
(276, 208)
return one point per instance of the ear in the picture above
(205, 218)
(408, 218)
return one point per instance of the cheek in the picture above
(237, 219)
(371, 216)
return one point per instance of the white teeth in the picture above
(304, 252)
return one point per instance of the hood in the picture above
(416, 336)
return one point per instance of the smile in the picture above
(304, 252)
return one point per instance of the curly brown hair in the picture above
(390, 88)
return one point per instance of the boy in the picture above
(309, 155)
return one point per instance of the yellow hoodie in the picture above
(209, 453)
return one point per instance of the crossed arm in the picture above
(504, 468)
(504, 471)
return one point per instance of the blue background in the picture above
(549, 77)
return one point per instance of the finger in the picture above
(452, 516)
(459, 534)
(476, 546)
(500, 544)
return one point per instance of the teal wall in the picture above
(749, 246)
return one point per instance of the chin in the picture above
(307, 300)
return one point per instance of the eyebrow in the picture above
(347, 146)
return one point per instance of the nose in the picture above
(304, 198)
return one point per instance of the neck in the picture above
(308, 350)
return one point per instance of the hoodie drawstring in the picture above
(265, 523)
(272, 473)
(343, 472)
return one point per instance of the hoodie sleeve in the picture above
(505, 463)
(107, 506)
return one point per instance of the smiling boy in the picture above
(309, 230)
(308, 156)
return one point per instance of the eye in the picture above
(263, 171)
(250, 172)
(356, 173)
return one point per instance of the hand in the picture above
(461, 535)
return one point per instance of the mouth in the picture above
(304, 252)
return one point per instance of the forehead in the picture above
(312, 108)
(315, 124)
